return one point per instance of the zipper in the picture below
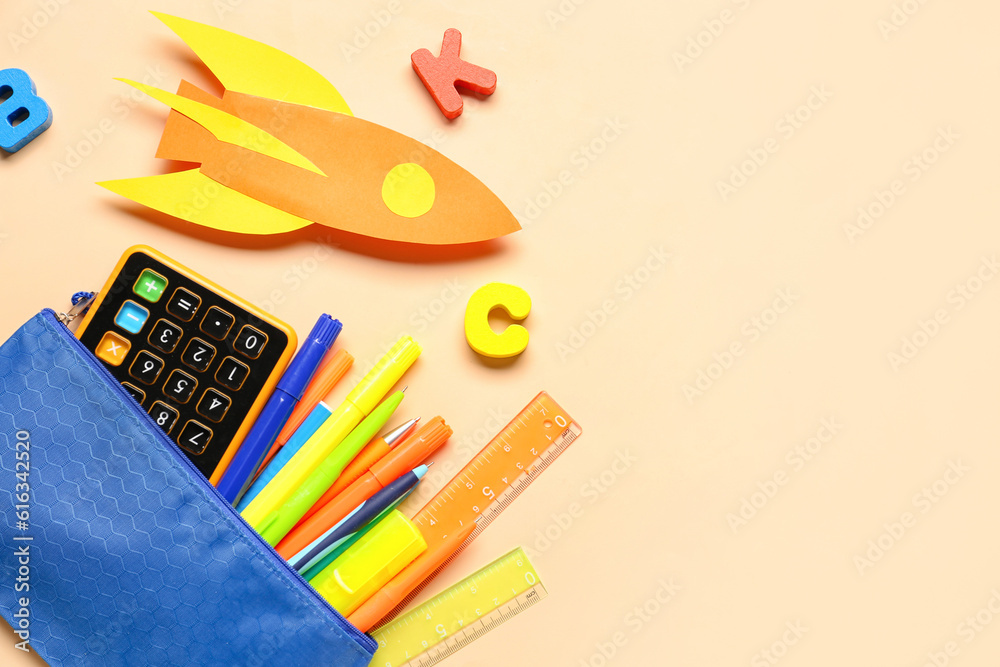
(168, 444)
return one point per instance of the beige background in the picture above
(567, 72)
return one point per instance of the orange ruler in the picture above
(482, 490)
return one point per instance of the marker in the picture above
(262, 512)
(356, 520)
(279, 406)
(285, 517)
(335, 365)
(373, 452)
(382, 603)
(371, 562)
(316, 418)
(402, 459)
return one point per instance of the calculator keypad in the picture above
(217, 323)
(183, 304)
(194, 359)
(146, 368)
(165, 336)
(198, 354)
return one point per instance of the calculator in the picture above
(199, 360)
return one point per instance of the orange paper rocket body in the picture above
(280, 150)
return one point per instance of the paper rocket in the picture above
(281, 150)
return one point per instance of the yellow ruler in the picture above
(460, 615)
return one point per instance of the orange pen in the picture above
(399, 461)
(393, 593)
(372, 453)
(334, 367)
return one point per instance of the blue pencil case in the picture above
(116, 551)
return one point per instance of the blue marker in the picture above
(285, 454)
(279, 407)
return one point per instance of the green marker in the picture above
(327, 472)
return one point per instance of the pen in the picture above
(357, 519)
(279, 406)
(373, 452)
(403, 458)
(263, 510)
(315, 419)
(335, 365)
(386, 599)
(301, 499)
(311, 573)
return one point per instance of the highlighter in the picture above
(370, 563)
(263, 510)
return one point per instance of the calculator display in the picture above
(200, 361)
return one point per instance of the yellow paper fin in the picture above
(192, 196)
(246, 66)
(228, 128)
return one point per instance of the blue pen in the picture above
(279, 407)
(357, 519)
(284, 455)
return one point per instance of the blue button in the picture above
(131, 317)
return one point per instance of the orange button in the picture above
(112, 349)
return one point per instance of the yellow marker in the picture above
(263, 511)
(370, 563)
(515, 301)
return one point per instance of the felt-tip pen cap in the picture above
(370, 563)
(386, 373)
(311, 353)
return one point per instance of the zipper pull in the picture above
(81, 302)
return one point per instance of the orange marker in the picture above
(372, 453)
(394, 593)
(334, 367)
(401, 460)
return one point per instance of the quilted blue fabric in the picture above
(133, 559)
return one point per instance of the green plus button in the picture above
(150, 286)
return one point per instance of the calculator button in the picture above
(179, 386)
(164, 416)
(146, 368)
(112, 349)
(217, 323)
(214, 405)
(183, 304)
(194, 437)
(131, 317)
(150, 285)
(250, 342)
(138, 394)
(198, 354)
(231, 373)
(165, 336)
